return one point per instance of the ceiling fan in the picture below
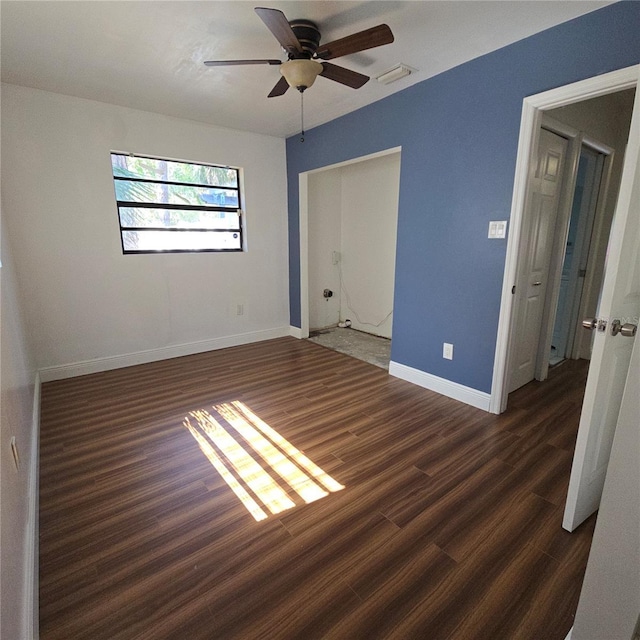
(306, 57)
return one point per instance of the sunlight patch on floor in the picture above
(232, 434)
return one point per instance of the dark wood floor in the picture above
(449, 525)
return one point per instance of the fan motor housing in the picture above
(308, 35)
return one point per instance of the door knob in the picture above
(627, 329)
(593, 323)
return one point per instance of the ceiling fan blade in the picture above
(350, 78)
(278, 24)
(230, 63)
(367, 39)
(281, 88)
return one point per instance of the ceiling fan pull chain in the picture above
(301, 116)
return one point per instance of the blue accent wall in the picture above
(459, 137)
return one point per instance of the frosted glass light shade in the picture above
(300, 74)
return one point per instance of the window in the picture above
(170, 206)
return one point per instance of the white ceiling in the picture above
(148, 55)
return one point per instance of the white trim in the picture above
(475, 398)
(295, 332)
(346, 163)
(569, 634)
(47, 374)
(559, 128)
(303, 187)
(586, 89)
(598, 147)
(529, 125)
(31, 583)
(532, 109)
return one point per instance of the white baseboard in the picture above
(295, 332)
(454, 390)
(31, 584)
(47, 374)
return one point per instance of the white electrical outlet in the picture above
(447, 351)
(239, 309)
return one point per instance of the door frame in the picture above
(577, 140)
(533, 108)
(574, 138)
(589, 238)
(303, 207)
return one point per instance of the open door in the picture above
(544, 202)
(610, 598)
(618, 313)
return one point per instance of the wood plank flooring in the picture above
(449, 525)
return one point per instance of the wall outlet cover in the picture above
(497, 229)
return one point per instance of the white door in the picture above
(610, 597)
(619, 300)
(545, 188)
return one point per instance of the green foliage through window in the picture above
(165, 205)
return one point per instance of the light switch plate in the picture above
(498, 229)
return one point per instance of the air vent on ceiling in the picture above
(395, 73)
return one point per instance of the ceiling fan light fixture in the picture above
(395, 73)
(300, 74)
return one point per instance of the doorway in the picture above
(590, 183)
(619, 297)
(578, 104)
(588, 188)
(567, 222)
(348, 223)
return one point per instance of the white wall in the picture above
(607, 120)
(83, 299)
(353, 209)
(370, 192)
(18, 504)
(324, 233)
